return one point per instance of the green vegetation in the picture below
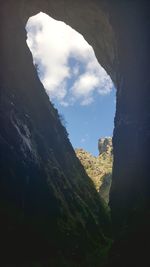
(99, 169)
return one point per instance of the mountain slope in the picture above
(99, 169)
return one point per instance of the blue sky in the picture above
(78, 86)
(86, 124)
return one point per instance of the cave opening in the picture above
(74, 80)
(39, 197)
(80, 89)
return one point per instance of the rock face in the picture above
(99, 169)
(119, 33)
(51, 214)
(105, 145)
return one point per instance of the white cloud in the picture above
(85, 138)
(85, 84)
(53, 44)
(87, 101)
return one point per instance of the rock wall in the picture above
(130, 190)
(105, 145)
(50, 211)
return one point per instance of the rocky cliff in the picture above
(99, 169)
(51, 214)
(105, 145)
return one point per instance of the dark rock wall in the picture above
(49, 208)
(130, 192)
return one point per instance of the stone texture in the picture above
(105, 145)
(50, 211)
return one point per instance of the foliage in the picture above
(99, 169)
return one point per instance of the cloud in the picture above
(67, 65)
(85, 138)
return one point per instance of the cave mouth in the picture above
(75, 82)
(80, 89)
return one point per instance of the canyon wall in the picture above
(50, 211)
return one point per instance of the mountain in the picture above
(99, 169)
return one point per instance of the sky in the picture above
(75, 82)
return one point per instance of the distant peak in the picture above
(105, 145)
